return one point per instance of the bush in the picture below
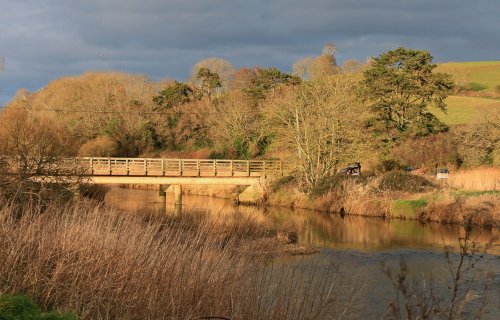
(474, 86)
(283, 182)
(329, 183)
(388, 165)
(428, 152)
(21, 307)
(102, 146)
(497, 89)
(403, 181)
(479, 144)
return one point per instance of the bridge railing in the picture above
(170, 167)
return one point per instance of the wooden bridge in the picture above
(167, 172)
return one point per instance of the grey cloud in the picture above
(43, 40)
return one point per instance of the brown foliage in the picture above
(103, 263)
(317, 125)
(428, 152)
(30, 144)
(102, 146)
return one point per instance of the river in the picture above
(358, 245)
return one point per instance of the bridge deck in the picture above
(151, 167)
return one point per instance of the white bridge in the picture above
(167, 172)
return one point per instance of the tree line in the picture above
(319, 117)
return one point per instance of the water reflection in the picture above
(317, 229)
(361, 244)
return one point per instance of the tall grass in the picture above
(476, 179)
(103, 263)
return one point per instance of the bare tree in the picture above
(31, 149)
(301, 67)
(234, 125)
(311, 68)
(317, 125)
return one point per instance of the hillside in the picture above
(464, 110)
(485, 73)
(483, 77)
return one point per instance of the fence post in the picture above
(127, 167)
(180, 167)
(91, 166)
(198, 167)
(248, 168)
(231, 166)
(109, 165)
(162, 166)
(215, 168)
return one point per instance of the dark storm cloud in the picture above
(43, 40)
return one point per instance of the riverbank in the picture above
(467, 197)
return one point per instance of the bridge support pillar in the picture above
(162, 190)
(253, 194)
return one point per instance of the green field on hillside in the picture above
(486, 73)
(463, 110)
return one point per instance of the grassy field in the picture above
(486, 73)
(466, 109)
(463, 110)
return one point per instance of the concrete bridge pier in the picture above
(177, 189)
(252, 194)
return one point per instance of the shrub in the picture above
(428, 152)
(283, 182)
(388, 165)
(479, 144)
(403, 181)
(340, 183)
(102, 146)
(21, 307)
(326, 184)
(474, 86)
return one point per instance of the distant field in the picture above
(463, 110)
(486, 73)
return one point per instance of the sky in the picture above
(42, 40)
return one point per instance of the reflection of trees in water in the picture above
(330, 230)
(319, 229)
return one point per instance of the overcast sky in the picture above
(42, 40)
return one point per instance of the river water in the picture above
(359, 245)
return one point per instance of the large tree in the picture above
(317, 125)
(401, 85)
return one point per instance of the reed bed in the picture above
(103, 263)
(486, 178)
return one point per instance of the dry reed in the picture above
(486, 178)
(103, 263)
